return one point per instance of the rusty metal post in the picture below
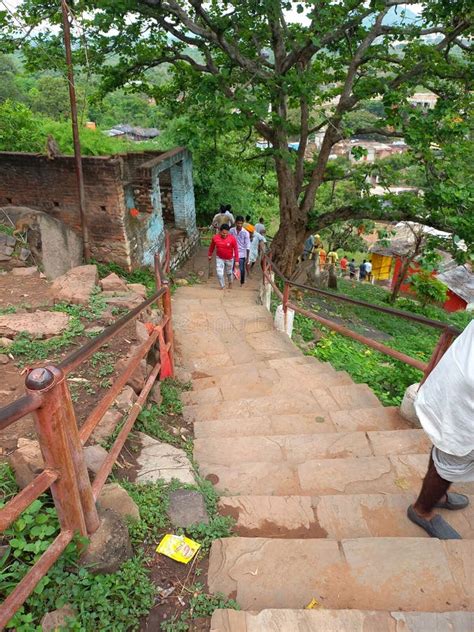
(54, 426)
(55, 449)
(168, 328)
(75, 130)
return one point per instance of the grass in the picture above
(387, 377)
(141, 275)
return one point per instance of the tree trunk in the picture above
(288, 243)
(400, 279)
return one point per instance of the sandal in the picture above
(437, 527)
(453, 501)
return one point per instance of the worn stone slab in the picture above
(399, 442)
(205, 396)
(320, 620)
(317, 422)
(187, 507)
(39, 324)
(161, 461)
(378, 418)
(379, 515)
(381, 573)
(278, 448)
(252, 478)
(76, 286)
(250, 407)
(354, 396)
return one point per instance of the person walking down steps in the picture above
(227, 255)
(445, 408)
(243, 241)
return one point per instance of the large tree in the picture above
(286, 70)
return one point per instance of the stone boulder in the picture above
(94, 456)
(407, 407)
(37, 324)
(187, 507)
(113, 496)
(22, 272)
(57, 620)
(7, 240)
(113, 283)
(109, 547)
(155, 395)
(127, 301)
(141, 332)
(137, 379)
(6, 342)
(137, 288)
(160, 461)
(125, 399)
(26, 461)
(76, 286)
(107, 425)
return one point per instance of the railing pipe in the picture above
(418, 364)
(25, 497)
(168, 328)
(379, 308)
(52, 428)
(26, 586)
(107, 465)
(98, 412)
(73, 360)
(19, 408)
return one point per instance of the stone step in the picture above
(333, 517)
(301, 448)
(285, 365)
(261, 406)
(321, 620)
(261, 373)
(411, 574)
(323, 477)
(234, 387)
(380, 418)
(331, 399)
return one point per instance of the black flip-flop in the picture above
(454, 501)
(437, 527)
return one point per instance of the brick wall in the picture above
(33, 181)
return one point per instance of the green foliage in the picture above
(427, 288)
(101, 602)
(387, 377)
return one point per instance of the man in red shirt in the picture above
(227, 254)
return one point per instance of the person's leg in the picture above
(220, 263)
(229, 265)
(242, 270)
(434, 488)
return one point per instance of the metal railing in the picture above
(61, 441)
(448, 332)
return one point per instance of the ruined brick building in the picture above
(130, 200)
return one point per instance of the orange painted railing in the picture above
(61, 441)
(448, 332)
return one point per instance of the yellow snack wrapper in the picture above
(313, 604)
(178, 547)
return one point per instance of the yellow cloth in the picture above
(332, 257)
(249, 227)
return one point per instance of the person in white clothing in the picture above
(445, 408)
(368, 270)
(260, 226)
(257, 242)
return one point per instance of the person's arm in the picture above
(211, 248)
(247, 247)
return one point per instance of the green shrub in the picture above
(427, 288)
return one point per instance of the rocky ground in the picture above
(40, 323)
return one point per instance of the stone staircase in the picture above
(318, 476)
